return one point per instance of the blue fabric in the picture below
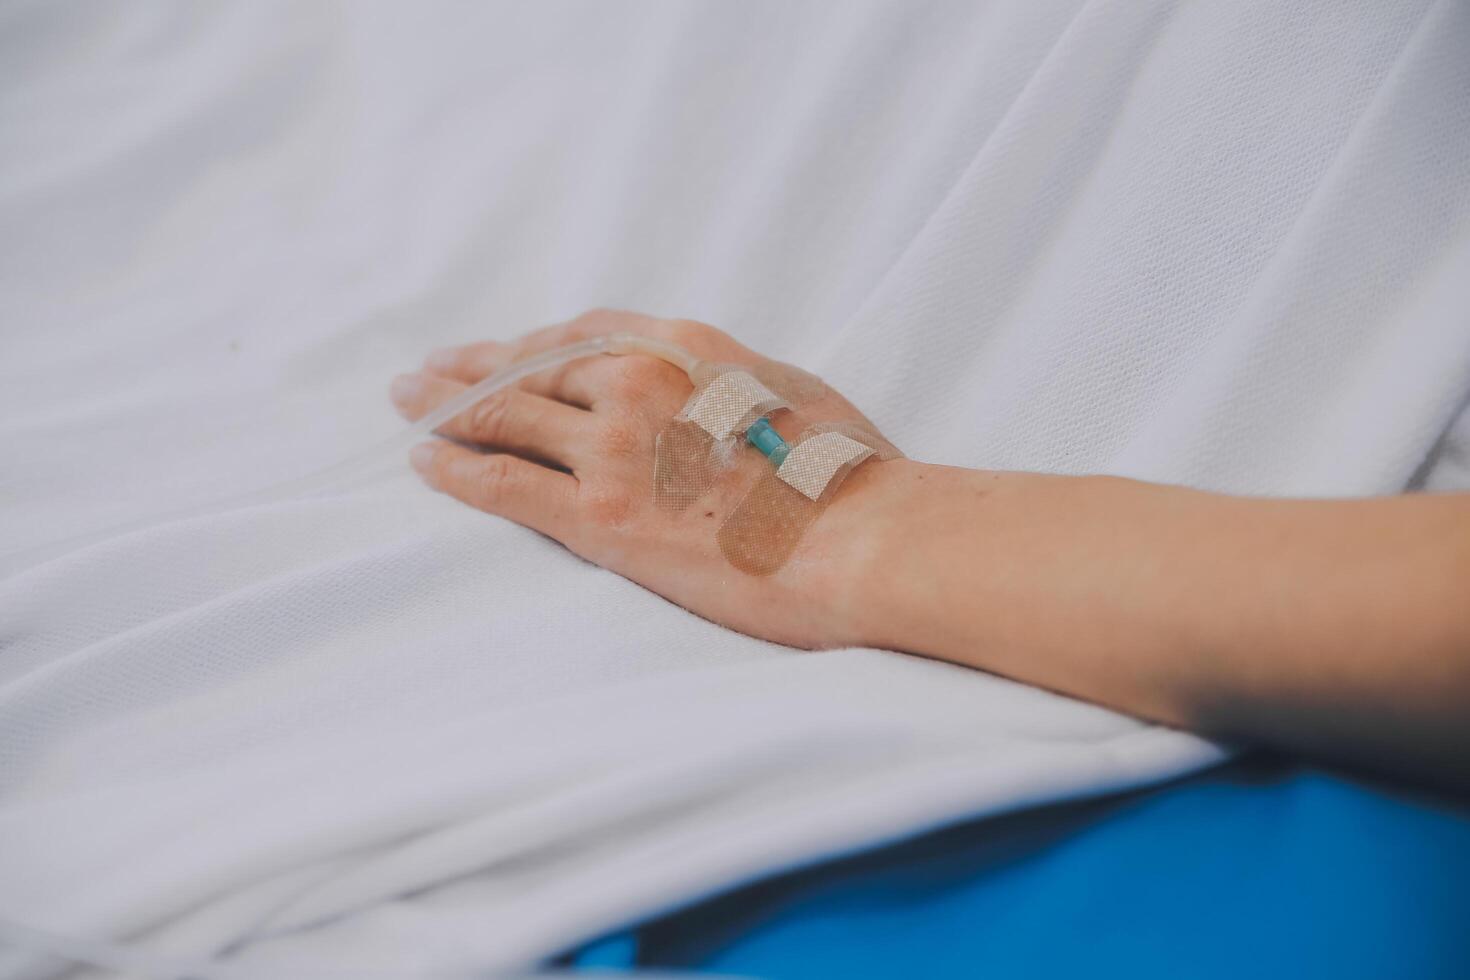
(619, 951)
(1255, 869)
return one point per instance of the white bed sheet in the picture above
(1218, 244)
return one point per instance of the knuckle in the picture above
(488, 418)
(688, 333)
(635, 377)
(598, 314)
(494, 479)
(591, 323)
(607, 507)
(619, 441)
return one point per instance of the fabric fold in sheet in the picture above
(374, 732)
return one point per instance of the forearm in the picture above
(1338, 628)
(1335, 628)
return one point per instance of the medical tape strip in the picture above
(730, 403)
(812, 463)
(862, 431)
(764, 528)
(701, 441)
(685, 464)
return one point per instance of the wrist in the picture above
(842, 570)
(1010, 572)
(893, 518)
(1068, 582)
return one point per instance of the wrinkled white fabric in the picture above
(1223, 244)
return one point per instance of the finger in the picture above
(574, 382)
(593, 323)
(510, 419)
(472, 362)
(617, 383)
(698, 338)
(541, 499)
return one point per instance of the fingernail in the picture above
(422, 456)
(405, 388)
(442, 360)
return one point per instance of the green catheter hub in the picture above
(763, 436)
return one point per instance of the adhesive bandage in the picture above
(704, 438)
(765, 527)
(795, 486)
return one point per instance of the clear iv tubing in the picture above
(340, 472)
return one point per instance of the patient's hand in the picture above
(570, 453)
(1335, 627)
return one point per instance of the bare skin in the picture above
(1337, 629)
